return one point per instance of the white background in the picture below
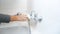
(50, 11)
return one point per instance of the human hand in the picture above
(21, 17)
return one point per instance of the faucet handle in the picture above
(35, 15)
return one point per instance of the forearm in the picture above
(13, 18)
(8, 18)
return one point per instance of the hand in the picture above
(21, 17)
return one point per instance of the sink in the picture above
(14, 28)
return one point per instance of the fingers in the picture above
(25, 18)
(22, 17)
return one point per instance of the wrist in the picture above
(13, 18)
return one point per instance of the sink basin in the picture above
(14, 28)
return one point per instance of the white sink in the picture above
(14, 28)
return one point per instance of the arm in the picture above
(8, 18)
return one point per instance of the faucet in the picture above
(33, 17)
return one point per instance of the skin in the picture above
(21, 17)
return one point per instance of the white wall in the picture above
(11, 7)
(50, 11)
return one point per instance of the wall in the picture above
(50, 11)
(11, 7)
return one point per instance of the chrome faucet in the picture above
(34, 18)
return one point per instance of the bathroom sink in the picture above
(14, 28)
